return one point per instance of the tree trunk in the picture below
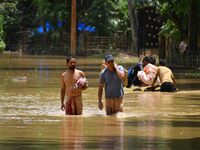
(44, 35)
(193, 27)
(133, 21)
(162, 46)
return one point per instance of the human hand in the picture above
(62, 107)
(115, 65)
(103, 66)
(75, 90)
(100, 105)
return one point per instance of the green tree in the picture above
(176, 15)
(8, 20)
(108, 16)
(2, 44)
(10, 13)
(18, 16)
(51, 11)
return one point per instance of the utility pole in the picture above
(73, 29)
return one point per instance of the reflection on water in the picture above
(31, 117)
(80, 134)
(72, 133)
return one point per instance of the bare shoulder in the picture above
(80, 72)
(63, 74)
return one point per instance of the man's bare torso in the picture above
(69, 79)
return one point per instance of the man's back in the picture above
(165, 74)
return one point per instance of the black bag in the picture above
(132, 75)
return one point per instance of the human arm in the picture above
(120, 71)
(100, 93)
(62, 93)
(173, 79)
(103, 66)
(154, 81)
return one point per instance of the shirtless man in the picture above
(73, 81)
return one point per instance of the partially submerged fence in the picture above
(190, 59)
(86, 44)
(101, 44)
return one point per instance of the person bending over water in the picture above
(73, 82)
(148, 74)
(166, 77)
(132, 76)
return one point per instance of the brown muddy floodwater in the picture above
(30, 115)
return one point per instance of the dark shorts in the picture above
(168, 87)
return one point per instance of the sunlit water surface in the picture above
(30, 115)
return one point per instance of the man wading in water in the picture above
(111, 78)
(73, 82)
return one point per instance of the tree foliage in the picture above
(108, 16)
(8, 19)
(10, 14)
(51, 11)
(2, 44)
(176, 16)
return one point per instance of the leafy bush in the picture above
(2, 46)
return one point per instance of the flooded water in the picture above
(30, 115)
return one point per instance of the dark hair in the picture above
(147, 59)
(68, 58)
(163, 62)
(152, 60)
